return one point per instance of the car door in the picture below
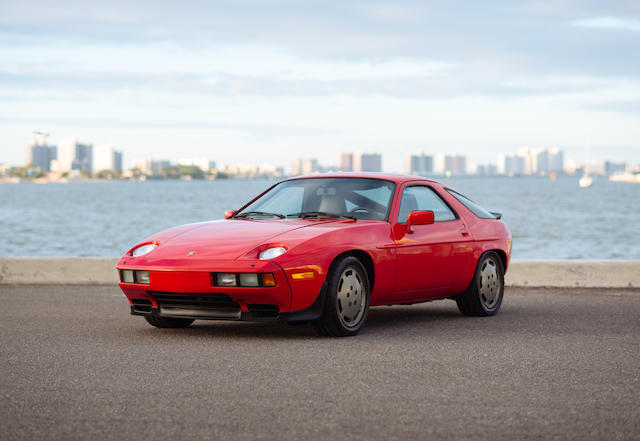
(431, 257)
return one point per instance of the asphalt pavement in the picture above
(553, 364)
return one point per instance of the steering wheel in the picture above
(362, 210)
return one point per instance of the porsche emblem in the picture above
(191, 253)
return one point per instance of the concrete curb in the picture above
(574, 273)
(58, 271)
(526, 273)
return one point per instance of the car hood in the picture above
(223, 240)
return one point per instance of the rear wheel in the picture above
(167, 322)
(484, 295)
(346, 305)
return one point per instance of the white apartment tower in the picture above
(105, 157)
(73, 155)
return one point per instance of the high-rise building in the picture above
(455, 165)
(345, 162)
(486, 170)
(505, 164)
(39, 154)
(511, 165)
(367, 162)
(556, 160)
(519, 165)
(526, 154)
(614, 167)
(528, 161)
(105, 157)
(421, 165)
(540, 161)
(73, 155)
(304, 166)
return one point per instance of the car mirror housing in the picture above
(228, 214)
(419, 218)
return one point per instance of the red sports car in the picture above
(323, 249)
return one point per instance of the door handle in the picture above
(464, 232)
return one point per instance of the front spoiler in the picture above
(313, 312)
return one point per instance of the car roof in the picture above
(394, 177)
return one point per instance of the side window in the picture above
(472, 206)
(421, 198)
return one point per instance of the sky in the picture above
(250, 82)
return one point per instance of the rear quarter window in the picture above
(472, 206)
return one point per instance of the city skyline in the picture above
(392, 163)
(71, 157)
(492, 158)
(277, 81)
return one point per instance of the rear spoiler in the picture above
(496, 214)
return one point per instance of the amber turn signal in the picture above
(268, 280)
(303, 275)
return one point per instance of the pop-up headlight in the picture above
(272, 253)
(144, 249)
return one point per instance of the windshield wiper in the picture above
(258, 213)
(304, 214)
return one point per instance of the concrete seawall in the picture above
(527, 273)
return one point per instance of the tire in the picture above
(167, 322)
(484, 295)
(347, 295)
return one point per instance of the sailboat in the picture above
(586, 180)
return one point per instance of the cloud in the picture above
(613, 23)
(253, 129)
(268, 69)
(629, 106)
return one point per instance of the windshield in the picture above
(359, 198)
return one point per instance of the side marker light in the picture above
(303, 275)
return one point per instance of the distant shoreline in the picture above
(262, 178)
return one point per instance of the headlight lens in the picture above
(272, 253)
(143, 277)
(144, 249)
(226, 279)
(249, 279)
(126, 276)
(137, 276)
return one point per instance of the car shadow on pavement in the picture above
(385, 319)
(234, 329)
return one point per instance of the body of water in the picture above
(548, 219)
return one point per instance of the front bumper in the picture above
(191, 293)
(254, 312)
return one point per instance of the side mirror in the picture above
(419, 218)
(229, 213)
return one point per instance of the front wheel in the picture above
(167, 322)
(484, 295)
(346, 305)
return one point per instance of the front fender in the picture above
(308, 262)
